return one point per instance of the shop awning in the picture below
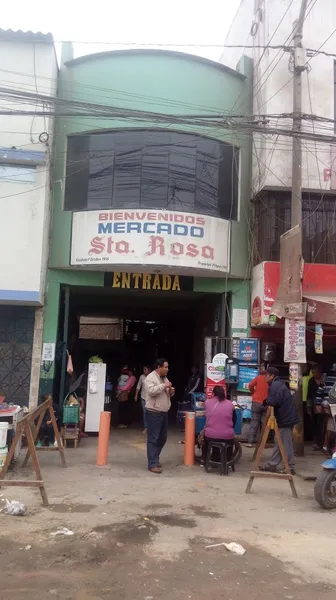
(321, 309)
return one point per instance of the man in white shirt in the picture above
(158, 391)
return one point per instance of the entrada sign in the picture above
(148, 281)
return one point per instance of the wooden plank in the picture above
(270, 474)
(35, 436)
(60, 446)
(36, 464)
(17, 483)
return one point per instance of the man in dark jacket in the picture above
(285, 413)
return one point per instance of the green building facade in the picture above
(187, 90)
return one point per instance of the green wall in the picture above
(162, 82)
(157, 81)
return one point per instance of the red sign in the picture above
(319, 283)
(214, 377)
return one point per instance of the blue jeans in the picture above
(143, 404)
(157, 430)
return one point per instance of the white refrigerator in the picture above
(95, 396)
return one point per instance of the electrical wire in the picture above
(306, 64)
(263, 53)
(281, 54)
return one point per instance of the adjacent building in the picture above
(28, 67)
(266, 27)
(149, 249)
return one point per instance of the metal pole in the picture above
(296, 199)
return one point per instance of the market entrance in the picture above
(138, 318)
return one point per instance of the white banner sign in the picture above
(295, 341)
(142, 237)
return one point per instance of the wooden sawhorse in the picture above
(270, 423)
(27, 426)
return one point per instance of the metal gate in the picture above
(16, 343)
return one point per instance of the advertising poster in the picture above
(248, 350)
(246, 374)
(318, 342)
(295, 341)
(293, 376)
(214, 376)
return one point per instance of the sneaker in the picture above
(267, 469)
(249, 445)
(283, 472)
(122, 426)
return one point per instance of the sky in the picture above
(117, 22)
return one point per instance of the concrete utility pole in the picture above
(296, 200)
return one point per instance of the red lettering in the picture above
(118, 216)
(103, 217)
(140, 216)
(200, 221)
(156, 245)
(151, 216)
(97, 245)
(122, 247)
(192, 250)
(110, 243)
(177, 249)
(190, 219)
(208, 252)
(178, 218)
(129, 216)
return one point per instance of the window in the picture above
(152, 170)
(17, 173)
(272, 219)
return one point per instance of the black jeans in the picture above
(216, 451)
(157, 431)
(319, 429)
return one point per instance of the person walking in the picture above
(158, 391)
(140, 391)
(259, 390)
(280, 398)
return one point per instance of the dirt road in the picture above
(138, 536)
(110, 562)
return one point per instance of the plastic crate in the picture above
(71, 414)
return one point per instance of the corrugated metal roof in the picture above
(9, 35)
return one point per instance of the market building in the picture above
(150, 246)
(28, 67)
(266, 27)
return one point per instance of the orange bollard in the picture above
(189, 439)
(103, 438)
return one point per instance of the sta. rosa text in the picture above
(157, 245)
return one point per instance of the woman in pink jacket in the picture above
(220, 421)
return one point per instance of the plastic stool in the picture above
(224, 462)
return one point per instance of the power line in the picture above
(306, 64)
(264, 50)
(287, 39)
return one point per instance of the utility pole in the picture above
(296, 199)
